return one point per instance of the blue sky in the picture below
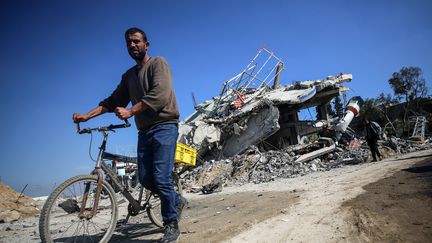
(60, 57)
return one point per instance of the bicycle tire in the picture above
(59, 219)
(154, 206)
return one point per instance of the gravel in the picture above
(255, 166)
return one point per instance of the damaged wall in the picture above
(245, 114)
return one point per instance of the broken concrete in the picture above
(14, 205)
(316, 153)
(247, 111)
(259, 127)
(9, 216)
(252, 133)
(258, 166)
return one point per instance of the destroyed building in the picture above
(253, 108)
(251, 131)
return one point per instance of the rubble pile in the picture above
(14, 206)
(254, 166)
(249, 109)
(253, 109)
(408, 146)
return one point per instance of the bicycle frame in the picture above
(77, 209)
(102, 166)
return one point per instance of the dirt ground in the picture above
(396, 208)
(386, 201)
(215, 217)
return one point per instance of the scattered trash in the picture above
(212, 187)
(70, 206)
(264, 166)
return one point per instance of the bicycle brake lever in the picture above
(85, 130)
(127, 124)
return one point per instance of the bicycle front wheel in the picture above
(60, 219)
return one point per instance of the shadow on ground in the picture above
(396, 208)
(131, 232)
(415, 157)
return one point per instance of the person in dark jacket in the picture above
(372, 135)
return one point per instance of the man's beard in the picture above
(137, 56)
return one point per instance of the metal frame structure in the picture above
(254, 78)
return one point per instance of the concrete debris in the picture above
(251, 131)
(255, 166)
(259, 127)
(316, 153)
(249, 110)
(407, 146)
(70, 206)
(214, 186)
(9, 216)
(12, 209)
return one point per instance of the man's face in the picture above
(136, 46)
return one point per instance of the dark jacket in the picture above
(372, 131)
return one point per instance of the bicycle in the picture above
(76, 211)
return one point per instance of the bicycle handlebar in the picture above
(102, 129)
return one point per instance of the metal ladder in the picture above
(419, 126)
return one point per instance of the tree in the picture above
(408, 83)
(382, 103)
(386, 100)
(371, 111)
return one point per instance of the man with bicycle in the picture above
(148, 86)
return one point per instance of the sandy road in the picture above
(357, 203)
(318, 216)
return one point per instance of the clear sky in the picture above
(60, 57)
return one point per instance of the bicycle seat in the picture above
(118, 157)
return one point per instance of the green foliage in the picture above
(408, 83)
(372, 111)
(385, 100)
(313, 137)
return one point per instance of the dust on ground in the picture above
(396, 208)
(386, 201)
(219, 217)
(215, 217)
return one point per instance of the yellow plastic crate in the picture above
(185, 155)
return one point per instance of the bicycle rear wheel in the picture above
(60, 221)
(154, 204)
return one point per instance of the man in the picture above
(372, 134)
(148, 86)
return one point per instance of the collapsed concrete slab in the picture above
(249, 110)
(315, 154)
(259, 127)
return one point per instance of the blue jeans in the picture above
(156, 148)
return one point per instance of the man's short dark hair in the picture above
(134, 30)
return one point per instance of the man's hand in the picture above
(123, 113)
(77, 117)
